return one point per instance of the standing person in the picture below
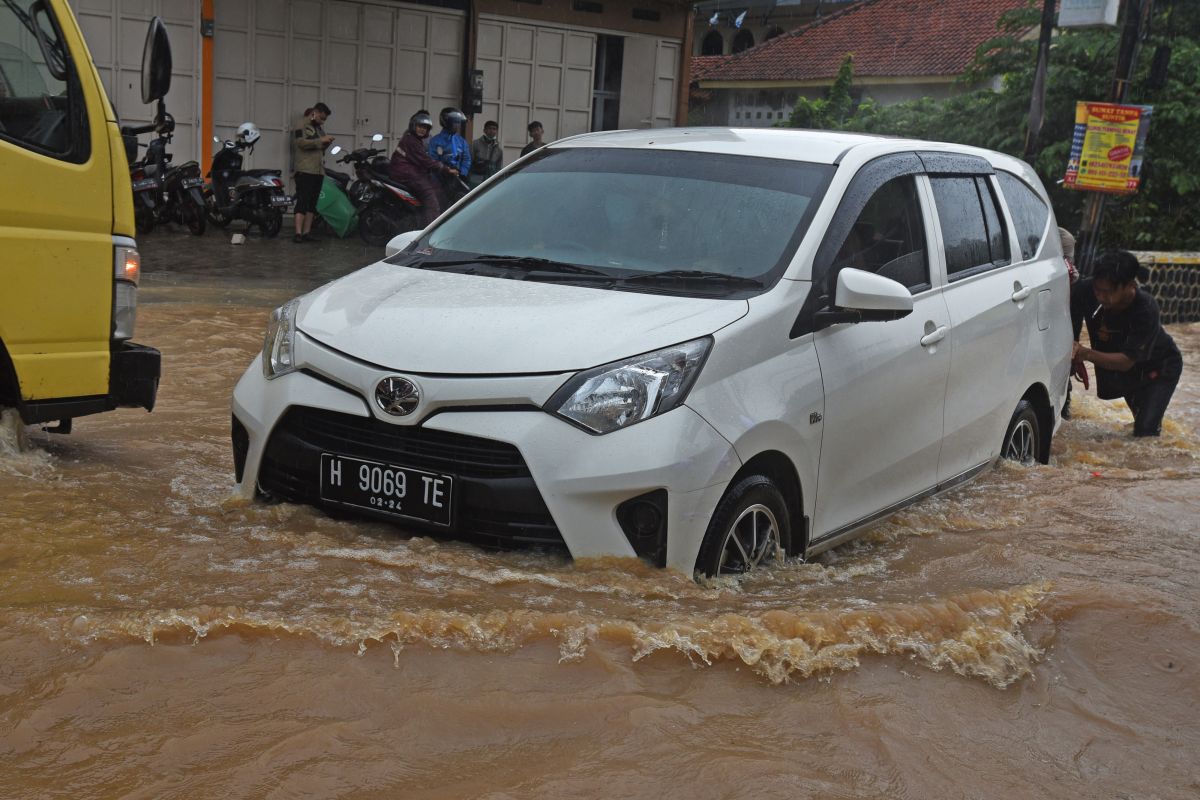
(536, 131)
(450, 148)
(1135, 358)
(308, 151)
(486, 155)
(413, 166)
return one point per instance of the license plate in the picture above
(142, 185)
(188, 183)
(398, 491)
(280, 200)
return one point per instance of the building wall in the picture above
(375, 62)
(764, 108)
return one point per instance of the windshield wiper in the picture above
(527, 263)
(698, 275)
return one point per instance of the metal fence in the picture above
(1175, 284)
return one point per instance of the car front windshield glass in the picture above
(639, 213)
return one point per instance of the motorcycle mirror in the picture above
(156, 62)
(377, 137)
(217, 139)
(337, 148)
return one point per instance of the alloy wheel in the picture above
(1022, 444)
(751, 540)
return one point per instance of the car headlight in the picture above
(278, 353)
(623, 393)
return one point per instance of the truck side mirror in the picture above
(156, 62)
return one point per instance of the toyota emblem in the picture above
(397, 396)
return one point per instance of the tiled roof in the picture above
(888, 38)
(703, 65)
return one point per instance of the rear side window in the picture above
(1029, 213)
(888, 238)
(972, 228)
(40, 108)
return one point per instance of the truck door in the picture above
(56, 207)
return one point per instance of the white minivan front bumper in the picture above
(676, 461)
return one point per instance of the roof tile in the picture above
(888, 38)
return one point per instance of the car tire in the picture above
(735, 542)
(1023, 438)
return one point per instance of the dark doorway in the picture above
(713, 44)
(606, 89)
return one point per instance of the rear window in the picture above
(972, 228)
(1029, 213)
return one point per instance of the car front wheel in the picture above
(750, 529)
(1023, 439)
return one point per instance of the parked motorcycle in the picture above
(162, 192)
(254, 195)
(385, 207)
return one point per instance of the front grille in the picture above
(496, 500)
(423, 448)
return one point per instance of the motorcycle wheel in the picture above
(270, 220)
(143, 220)
(192, 216)
(377, 227)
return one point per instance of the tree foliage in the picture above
(1164, 215)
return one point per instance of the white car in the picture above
(708, 348)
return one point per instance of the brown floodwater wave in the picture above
(1033, 633)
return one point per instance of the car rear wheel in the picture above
(1023, 439)
(750, 529)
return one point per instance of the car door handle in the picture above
(1021, 294)
(934, 336)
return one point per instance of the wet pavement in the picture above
(209, 268)
(1033, 634)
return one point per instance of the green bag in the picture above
(336, 208)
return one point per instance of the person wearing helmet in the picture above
(308, 149)
(413, 166)
(450, 148)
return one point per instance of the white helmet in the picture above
(248, 132)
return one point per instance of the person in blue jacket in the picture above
(451, 149)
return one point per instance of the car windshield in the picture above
(653, 220)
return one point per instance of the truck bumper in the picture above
(133, 375)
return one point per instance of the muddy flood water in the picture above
(1035, 634)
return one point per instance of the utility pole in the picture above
(1136, 12)
(1037, 103)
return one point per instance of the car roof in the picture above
(821, 147)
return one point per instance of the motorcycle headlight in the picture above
(279, 345)
(623, 393)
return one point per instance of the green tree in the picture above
(1163, 215)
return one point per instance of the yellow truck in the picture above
(69, 265)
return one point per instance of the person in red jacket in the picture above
(412, 166)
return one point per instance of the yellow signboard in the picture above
(1106, 153)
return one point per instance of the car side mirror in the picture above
(156, 62)
(862, 296)
(399, 242)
